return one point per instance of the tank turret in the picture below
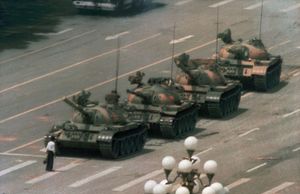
(159, 104)
(205, 85)
(250, 62)
(102, 127)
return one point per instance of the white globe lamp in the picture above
(182, 190)
(148, 187)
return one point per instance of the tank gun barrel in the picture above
(75, 106)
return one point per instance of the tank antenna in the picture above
(217, 42)
(261, 17)
(173, 49)
(117, 64)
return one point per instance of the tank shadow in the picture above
(95, 155)
(277, 88)
(231, 116)
(157, 135)
(125, 13)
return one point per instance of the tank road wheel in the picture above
(115, 149)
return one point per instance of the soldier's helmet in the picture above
(182, 59)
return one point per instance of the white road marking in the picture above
(204, 151)
(95, 176)
(75, 64)
(50, 46)
(296, 74)
(116, 35)
(55, 33)
(183, 2)
(107, 81)
(50, 174)
(256, 5)
(296, 149)
(298, 47)
(220, 3)
(291, 8)
(138, 180)
(181, 39)
(280, 44)
(279, 188)
(247, 94)
(16, 167)
(26, 155)
(24, 145)
(291, 113)
(248, 132)
(238, 183)
(256, 167)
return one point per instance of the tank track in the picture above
(124, 143)
(270, 80)
(183, 123)
(228, 104)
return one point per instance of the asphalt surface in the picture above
(257, 149)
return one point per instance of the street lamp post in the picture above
(188, 175)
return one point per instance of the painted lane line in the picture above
(50, 174)
(138, 180)
(296, 74)
(181, 39)
(24, 145)
(26, 155)
(55, 33)
(291, 113)
(76, 64)
(220, 3)
(280, 44)
(107, 81)
(291, 8)
(247, 94)
(50, 46)
(256, 167)
(238, 183)
(95, 176)
(279, 188)
(183, 2)
(116, 35)
(16, 167)
(248, 132)
(296, 149)
(256, 5)
(298, 47)
(204, 151)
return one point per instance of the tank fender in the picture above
(259, 70)
(213, 96)
(154, 117)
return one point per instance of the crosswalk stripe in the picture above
(50, 174)
(291, 8)
(138, 180)
(238, 182)
(279, 188)
(220, 3)
(256, 5)
(95, 176)
(16, 167)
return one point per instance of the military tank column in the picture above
(160, 105)
(100, 127)
(249, 62)
(204, 84)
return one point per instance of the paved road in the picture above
(257, 149)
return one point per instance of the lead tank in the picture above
(204, 85)
(100, 127)
(160, 105)
(249, 62)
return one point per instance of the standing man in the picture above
(50, 154)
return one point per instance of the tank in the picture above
(249, 62)
(99, 127)
(204, 84)
(160, 105)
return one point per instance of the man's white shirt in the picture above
(51, 146)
